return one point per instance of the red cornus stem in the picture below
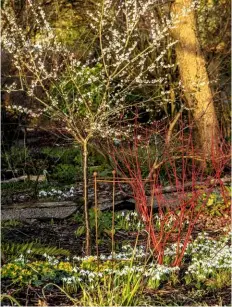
(173, 165)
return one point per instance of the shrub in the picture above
(66, 173)
(64, 155)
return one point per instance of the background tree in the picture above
(194, 77)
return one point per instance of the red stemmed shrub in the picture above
(174, 176)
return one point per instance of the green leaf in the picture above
(80, 231)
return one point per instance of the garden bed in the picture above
(61, 278)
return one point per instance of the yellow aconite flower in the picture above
(90, 259)
(211, 200)
(66, 266)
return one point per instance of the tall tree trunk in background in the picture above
(194, 78)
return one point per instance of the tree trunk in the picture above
(85, 194)
(194, 78)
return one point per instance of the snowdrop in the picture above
(59, 193)
(208, 255)
(21, 259)
(69, 280)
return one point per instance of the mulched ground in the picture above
(60, 233)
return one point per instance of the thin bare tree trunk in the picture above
(194, 78)
(85, 194)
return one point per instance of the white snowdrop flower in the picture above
(102, 257)
(55, 262)
(69, 280)
(91, 274)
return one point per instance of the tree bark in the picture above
(194, 78)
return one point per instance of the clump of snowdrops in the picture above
(207, 263)
(57, 193)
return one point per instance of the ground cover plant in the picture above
(128, 276)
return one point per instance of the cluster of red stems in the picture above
(187, 173)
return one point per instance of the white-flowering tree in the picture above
(89, 95)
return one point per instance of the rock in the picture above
(63, 209)
(49, 210)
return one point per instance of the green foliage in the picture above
(70, 23)
(143, 153)
(66, 173)
(211, 16)
(36, 273)
(122, 281)
(100, 169)
(11, 250)
(11, 224)
(66, 21)
(80, 231)
(104, 222)
(128, 221)
(21, 161)
(83, 91)
(114, 291)
(22, 186)
(14, 189)
(221, 279)
(15, 158)
(67, 167)
(63, 155)
(64, 165)
(216, 205)
(101, 266)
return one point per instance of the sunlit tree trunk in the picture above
(194, 78)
